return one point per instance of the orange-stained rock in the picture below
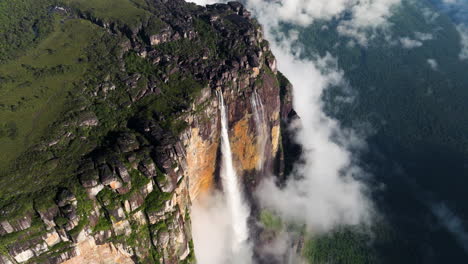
(244, 148)
(201, 164)
(52, 239)
(90, 253)
(275, 137)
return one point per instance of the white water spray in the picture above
(234, 198)
(261, 126)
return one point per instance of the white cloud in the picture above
(463, 31)
(452, 223)
(417, 41)
(429, 15)
(433, 63)
(450, 1)
(423, 36)
(408, 43)
(323, 191)
(365, 16)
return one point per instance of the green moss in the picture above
(140, 235)
(283, 84)
(159, 227)
(108, 198)
(155, 25)
(60, 221)
(160, 176)
(81, 225)
(44, 200)
(54, 251)
(156, 200)
(60, 246)
(37, 229)
(138, 179)
(270, 221)
(103, 224)
(137, 64)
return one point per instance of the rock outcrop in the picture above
(132, 203)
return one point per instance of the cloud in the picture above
(408, 43)
(419, 38)
(423, 36)
(457, 10)
(429, 15)
(433, 63)
(323, 192)
(463, 31)
(452, 223)
(358, 19)
(453, 2)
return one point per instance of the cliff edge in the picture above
(132, 132)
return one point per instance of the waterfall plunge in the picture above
(261, 127)
(233, 192)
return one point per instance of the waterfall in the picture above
(234, 198)
(261, 127)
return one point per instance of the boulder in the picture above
(147, 167)
(127, 142)
(5, 260)
(51, 238)
(48, 216)
(65, 197)
(89, 178)
(106, 175)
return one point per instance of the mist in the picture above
(463, 31)
(211, 229)
(326, 190)
(323, 192)
(452, 223)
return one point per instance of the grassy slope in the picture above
(32, 102)
(29, 102)
(22, 23)
(35, 81)
(45, 87)
(124, 11)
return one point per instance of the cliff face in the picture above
(136, 185)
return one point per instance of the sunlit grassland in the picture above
(124, 11)
(34, 86)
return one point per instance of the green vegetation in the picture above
(103, 224)
(64, 67)
(156, 201)
(124, 12)
(270, 221)
(186, 48)
(342, 246)
(22, 23)
(37, 229)
(136, 64)
(38, 78)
